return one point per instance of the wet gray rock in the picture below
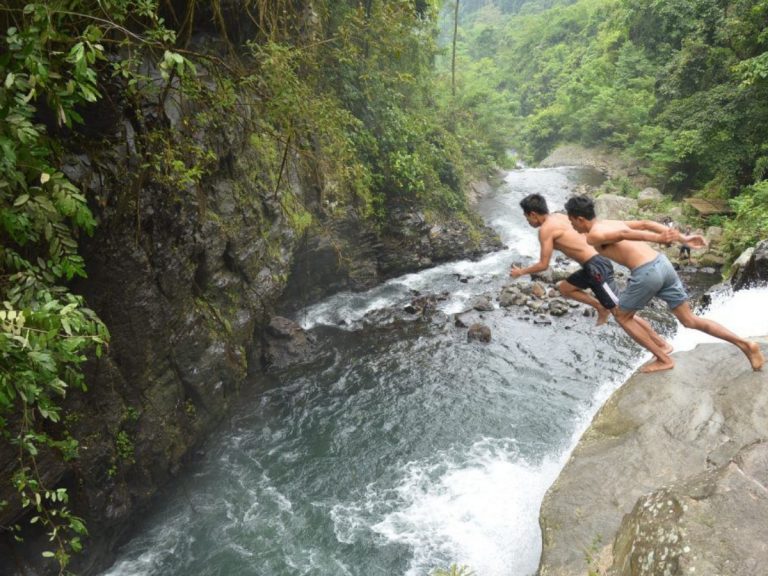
(687, 431)
(408, 242)
(538, 296)
(613, 207)
(340, 255)
(479, 333)
(286, 344)
(755, 271)
(649, 197)
(347, 253)
(538, 290)
(547, 276)
(670, 531)
(558, 307)
(511, 295)
(482, 304)
(738, 265)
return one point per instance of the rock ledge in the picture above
(670, 478)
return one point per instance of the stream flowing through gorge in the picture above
(403, 447)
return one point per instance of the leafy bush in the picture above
(750, 223)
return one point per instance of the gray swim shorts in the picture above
(655, 278)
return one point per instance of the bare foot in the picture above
(656, 366)
(602, 316)
(755, 356)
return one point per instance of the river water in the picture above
(403, 448)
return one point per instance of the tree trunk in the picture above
(453, 58)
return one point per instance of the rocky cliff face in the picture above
(187, 283)
(347, 254)
(670, 478)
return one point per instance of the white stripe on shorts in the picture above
(610, 293)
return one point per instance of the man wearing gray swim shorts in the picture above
(652, 276)
(655, 278)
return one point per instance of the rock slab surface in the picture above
(672, 475)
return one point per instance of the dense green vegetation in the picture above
(346, 87)
(680, 85)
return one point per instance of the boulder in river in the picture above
(483, 303)
(286, 344)
(649, 196)
(479, 332)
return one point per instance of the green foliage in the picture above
(45, 331)
(124, 447)
(49, 508)
(750, 223)
(680, 85)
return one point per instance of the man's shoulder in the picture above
(551, 228)
(558, 221)
(606, 225)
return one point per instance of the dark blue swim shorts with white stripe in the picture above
(597, 274)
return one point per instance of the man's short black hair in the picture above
(534, 203)
(580, 206)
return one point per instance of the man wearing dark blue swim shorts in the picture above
(652, 276)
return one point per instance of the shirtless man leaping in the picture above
(556, 233)
(652, 275)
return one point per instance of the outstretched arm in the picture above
(648, 225)
(547, 242)
(666, 234)
(692, 240)
(599, 237)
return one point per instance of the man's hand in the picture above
(694, 241)
(670, 235)
(516, 272)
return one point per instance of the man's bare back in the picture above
(565, 238)
(606, 236)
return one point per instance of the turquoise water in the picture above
(403, 448)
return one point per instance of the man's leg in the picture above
(688, 319)
(568, 290)
(641, 335)
(658, 340)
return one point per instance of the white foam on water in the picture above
(476, 509)
(161, 547)
(744, 312)
(482, 513)
(347, 309)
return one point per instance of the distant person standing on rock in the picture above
(685, 250)
(652, 275)
(556, 233)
